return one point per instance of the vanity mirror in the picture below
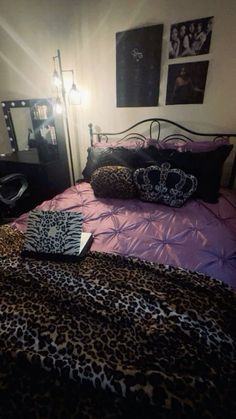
(39, 150)
(31, 125)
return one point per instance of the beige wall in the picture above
(85, 30)
(31, 32)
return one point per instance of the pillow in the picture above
(120, 156)
(100, 157)
(205, 166)
(194, 146)
(129, 143)
(164, 184)
(53, 235)
(113, 182)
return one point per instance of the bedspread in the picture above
(199, 236)
(156, 338)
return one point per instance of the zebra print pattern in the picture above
(54, 232)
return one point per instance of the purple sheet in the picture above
(199, 236)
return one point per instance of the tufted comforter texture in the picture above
(198, 236)
(112, 337)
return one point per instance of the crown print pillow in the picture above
(53, 233)
(165, 185)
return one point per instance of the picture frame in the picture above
(186, 83)
(191, 38)
(138, 66)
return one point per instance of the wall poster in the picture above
(186, 83)
(190, 38)
(138, 65)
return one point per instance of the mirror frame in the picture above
(7, 105)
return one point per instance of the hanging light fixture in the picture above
(61, 103)
(74, 95)
(58, 106)
(55, 77)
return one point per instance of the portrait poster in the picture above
(138, 63)
(191, 38)
(186, 83)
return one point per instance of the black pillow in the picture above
(100, 157)
(205, 166)
(164, 184)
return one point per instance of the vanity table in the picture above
(46, 179)
(38, 150)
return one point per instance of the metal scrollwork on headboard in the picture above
(104, 137)
(155, 132)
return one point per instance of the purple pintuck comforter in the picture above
(199, 236)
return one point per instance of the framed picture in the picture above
(138, 62)
(190, 38)
(186, 83)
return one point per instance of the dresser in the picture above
(45, 178)
(37, 137)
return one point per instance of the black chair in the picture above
(12, 188)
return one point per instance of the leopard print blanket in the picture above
(112, 337)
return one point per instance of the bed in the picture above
(144, 325)
(199, 236)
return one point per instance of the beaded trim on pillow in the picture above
(113, 182)
(164, 184)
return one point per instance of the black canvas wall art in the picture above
(191, 38)
(186, 83)
(138, 61)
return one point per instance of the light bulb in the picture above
(58, 106)
(56, 79)
(74, 95)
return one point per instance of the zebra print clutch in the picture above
(53, 235)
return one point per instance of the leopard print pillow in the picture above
(113, 182)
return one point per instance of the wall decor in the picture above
(191, 38)
(138, 61)
(186, 83)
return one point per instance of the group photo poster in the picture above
(191, 38)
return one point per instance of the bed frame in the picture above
(155, 131)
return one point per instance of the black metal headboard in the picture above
(156, 129)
